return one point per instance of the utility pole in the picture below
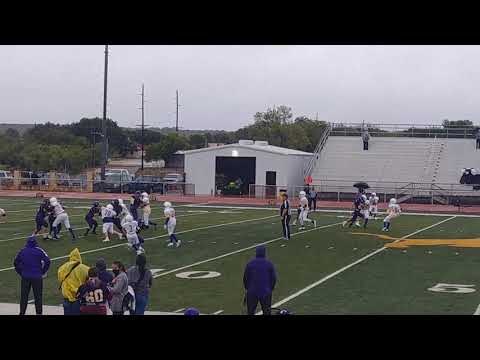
(104, 120)
(176, 123)
(143, 121)
(142, 134)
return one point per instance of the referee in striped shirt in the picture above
(285, 216)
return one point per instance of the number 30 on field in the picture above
(453, 288)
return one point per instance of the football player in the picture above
(366, 213)
(61, 217)
(170, 224)
(131, 229)
(358, 204)
(304, 211)
(373, 199)
(2, 212)
(393, 211)
(41, 216)
(90, 218)
(107, 216)
(147, 210)
(299, 209)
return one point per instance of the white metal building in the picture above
(255, 162)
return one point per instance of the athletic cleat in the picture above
(139, 252)
(106, 240)
(170, 244)
(178, 243)
(301, 228)
(357, 225)
(344, 223)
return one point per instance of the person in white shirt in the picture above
(170, 224)
(61, 217)
(393, 211)
(108, 215)
(366, 213)
(147, 210)
(373, 200)
(131, 229)
(304, 212)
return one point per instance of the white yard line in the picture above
(155, 237)
(240, 250)
(339, 271)
(477, 312)
(179, 310)
(217, 312)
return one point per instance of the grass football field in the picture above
(426, 264)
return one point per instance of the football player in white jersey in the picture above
(304, 212)
(131, 229)
(147, 210)
(61, 217)
(299, 210)
(108, 215)
(170, 224)
(366, 213)
(2, 212)
(373, 199)
(393, 211)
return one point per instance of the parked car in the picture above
(26, 178)
(6, 178)
(114, 183)
(147, 183)
(173, 178)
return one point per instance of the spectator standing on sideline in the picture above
(140, 279)
(477, 137)
(259, 281)
(119, 288)
(366, 138)
(313, 200)
(71, 276)
(31, 263)
(103, 274)
(93, 295)
(285, 216)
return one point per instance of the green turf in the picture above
(393, 281)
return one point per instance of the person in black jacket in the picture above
(31, 263)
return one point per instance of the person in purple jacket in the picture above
(259, 281)
(31, 263)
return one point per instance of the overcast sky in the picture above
(221, 87)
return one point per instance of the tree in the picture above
(197, 141)
(12, 133)
(456, 123)
(166, 148)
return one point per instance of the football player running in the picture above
(61, 217)
(304, 212)
(131, 229)
(170, 224)
(108, 215)
(393, 211)
(373, 199)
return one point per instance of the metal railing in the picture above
(406, 192)
(321, 143)
(84, 185)
(403, 130)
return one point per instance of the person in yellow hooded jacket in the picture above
(71, 276)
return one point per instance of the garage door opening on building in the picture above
(233, 175)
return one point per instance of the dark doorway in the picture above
(271, 182)
(233, 175)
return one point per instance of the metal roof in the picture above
(256, 147)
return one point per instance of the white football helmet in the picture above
(393, 201)
(302, 193)
(367, 202)
(129, 218)
(120, 201)
(364, 197)
(144, 194)
(53, 200)
(167, 204)
(374, 194)
(110, 207)
(2, 212)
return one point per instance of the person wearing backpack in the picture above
(71, 276)
(118, 288)
(140, 279)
